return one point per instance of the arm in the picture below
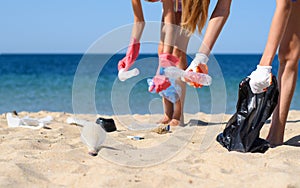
(168, 26)
(215, 25)
(261, 77)
(136, 33)
(139, 21)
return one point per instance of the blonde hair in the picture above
(194, 14)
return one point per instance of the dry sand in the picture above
(186, 157)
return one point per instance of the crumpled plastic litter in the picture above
(92, 134)
(27, 122)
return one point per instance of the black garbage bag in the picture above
(252, 110)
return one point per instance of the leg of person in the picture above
(167, 105)
(180, 52)
(168, 26)
(289, 54)
(178, 117)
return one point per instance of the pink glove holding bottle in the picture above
(161, 82)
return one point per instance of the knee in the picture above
(181, 55)
(287, 53)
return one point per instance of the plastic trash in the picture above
(75, 121)
(107, 124)
(93, 136)
(136, 137)
(151, 85)
(124, 75)
(27, 122)
(172, 93)
(199, 78)
(252, 110)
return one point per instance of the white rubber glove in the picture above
(198, 65)
(260, 79)
(199, 58)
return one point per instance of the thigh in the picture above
(290, 44)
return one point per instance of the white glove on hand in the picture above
(199, 58)
(260, 79)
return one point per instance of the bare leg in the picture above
(180, 52)
(168, 27)
(178, 117)
(289, 53)
(167, 105)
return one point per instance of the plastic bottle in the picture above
(124, 75)
(199, 78)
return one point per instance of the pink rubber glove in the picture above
(160, 83)
(131, 55)
(166, 60)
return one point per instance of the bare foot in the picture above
(174, 122)
(164, 120)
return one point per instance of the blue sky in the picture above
(71, 26)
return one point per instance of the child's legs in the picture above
(289, 53)
(180, 52)
(178, 117)
(168, 20)
(167, 105)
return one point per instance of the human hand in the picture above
(198, 65)
(260, 79)
(166, 60)
(159, 83)
(131, 55)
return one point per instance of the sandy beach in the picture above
(188, 156)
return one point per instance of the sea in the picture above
(75, 82)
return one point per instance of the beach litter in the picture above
(124, 75)
(13, 120)
(107, 124)
(136, 137)
(162, 129)
(92, 134)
